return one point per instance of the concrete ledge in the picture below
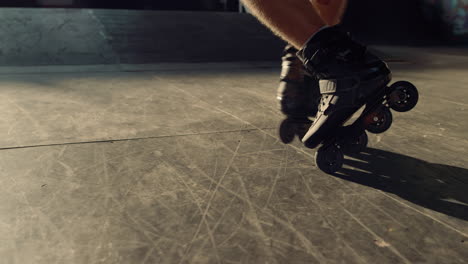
(87, 37)
(137, 67)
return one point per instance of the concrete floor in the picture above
(180, 163)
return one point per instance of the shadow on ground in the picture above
(437, 187)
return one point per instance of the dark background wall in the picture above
(376, 21)
(205, 5)
(395, 22)
(409, 22)
(18, 3)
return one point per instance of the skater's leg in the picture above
(296, 99)
(292, 20)
(298, 96)
(296, 20)
(349, 74)
(331, 11)
(298, 92)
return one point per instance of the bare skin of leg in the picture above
(296, 21)
(292, 20)
(331, 11)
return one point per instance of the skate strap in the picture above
(338, 85)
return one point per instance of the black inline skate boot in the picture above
(298, 96)
(349, 76)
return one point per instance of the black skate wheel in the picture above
(287, 131)
(404, 96)
(356, 144)
(329, 159)
(378, 121)
(302, 128)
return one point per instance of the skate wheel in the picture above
(329, 159)
(378, 121)
(302, 128)
(404, 97)
(356, 144)
(287, 131)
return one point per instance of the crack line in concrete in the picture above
(134, 139)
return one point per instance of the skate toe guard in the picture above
(325, 126)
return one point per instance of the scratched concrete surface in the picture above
(181, 164)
